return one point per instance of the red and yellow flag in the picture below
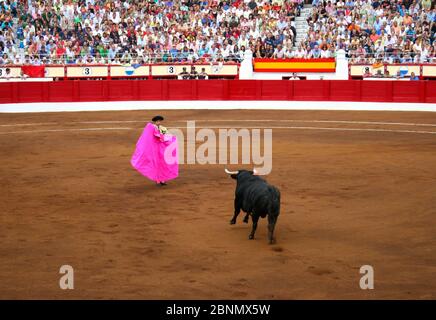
(295, 65)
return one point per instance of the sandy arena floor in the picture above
(357, 188)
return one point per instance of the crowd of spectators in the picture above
(399, 31)
(136, 32)
(120, 31)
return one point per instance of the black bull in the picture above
(255, 196)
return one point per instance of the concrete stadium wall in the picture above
(155, 90)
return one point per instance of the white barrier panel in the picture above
(216, 69)
(55, 72)
(15, 71)
(102, 71)
(404, 69)
(130, 71)
(429, 71)
(359, 70)
(87, 72)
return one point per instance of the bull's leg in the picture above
(255, 219)
(272, 219)
(237, 211)
(246, 217)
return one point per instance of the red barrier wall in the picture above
(305, 90)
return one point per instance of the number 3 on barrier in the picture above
(87, 71)
(171, 70)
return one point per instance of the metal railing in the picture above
(168, 58)
(389, 57)
(118, 59)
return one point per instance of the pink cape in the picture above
(156, 155)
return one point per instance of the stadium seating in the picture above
(95, 31)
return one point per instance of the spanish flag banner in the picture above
(34, 71)
(295, 65)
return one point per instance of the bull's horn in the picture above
(230, 172)
(255, 172)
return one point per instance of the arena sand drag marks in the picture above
(349, 199)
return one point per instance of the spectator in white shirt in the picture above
(279, 52)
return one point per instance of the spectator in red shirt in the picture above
(60, 50)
